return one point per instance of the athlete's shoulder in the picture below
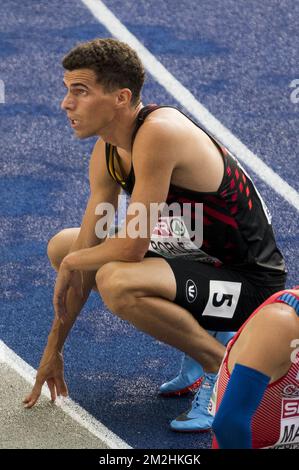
(98, 150)
(160, 135)
(269, 333)
(98, 153)
(169, 118)
(167, 126)
(278, 316)
(98, 174)
(161, 121)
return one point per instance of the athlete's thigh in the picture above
(150, 277)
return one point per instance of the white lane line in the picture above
(185, 98)
(75, 411)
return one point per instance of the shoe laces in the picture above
(203, 394)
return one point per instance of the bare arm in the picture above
(154, 159)
(102, 189)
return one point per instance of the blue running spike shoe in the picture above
(188, 380)
(191, 373)
(197, 418)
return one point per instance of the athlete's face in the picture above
(89, 109)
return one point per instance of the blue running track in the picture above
(239, 63)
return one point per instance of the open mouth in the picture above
(74, 122)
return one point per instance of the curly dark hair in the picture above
(115, 64)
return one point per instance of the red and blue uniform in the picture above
(256, 413)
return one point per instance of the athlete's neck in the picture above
(120, 130)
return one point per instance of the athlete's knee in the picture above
(113, 287)
(54, 249)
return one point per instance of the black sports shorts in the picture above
(219, 298)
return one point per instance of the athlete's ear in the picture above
(123, 97)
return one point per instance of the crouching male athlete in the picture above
(164, 283)
(257, 392)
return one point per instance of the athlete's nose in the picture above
(67, 104)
